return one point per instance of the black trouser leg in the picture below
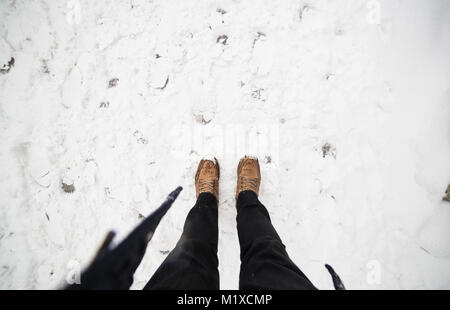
(193, 264)
(265, 263)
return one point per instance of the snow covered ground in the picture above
(106, 106)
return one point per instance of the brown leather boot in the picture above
(207, 178)
(249, 175)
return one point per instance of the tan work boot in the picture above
(249, 175)
(207, 178)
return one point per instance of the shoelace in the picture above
(249, 183)
(206, 185)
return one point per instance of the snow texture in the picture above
(107, 106)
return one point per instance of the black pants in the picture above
(193, 264)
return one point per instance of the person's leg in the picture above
(193, 264)
(265, 263)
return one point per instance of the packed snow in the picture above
(107, 106)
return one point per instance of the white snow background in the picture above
(350, 99)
